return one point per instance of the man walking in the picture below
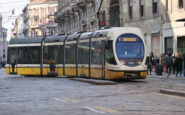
(149, 63)
(169, 62)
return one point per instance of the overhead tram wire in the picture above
(17, 2)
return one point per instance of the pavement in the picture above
(21, 95)
(168, 91)
(164, 75)
(162, 91)
(95, 81)
(153, 75)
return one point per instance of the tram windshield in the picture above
(129, 46)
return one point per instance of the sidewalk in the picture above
(164, 75)
(167, 91)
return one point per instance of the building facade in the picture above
(78, 15)
(3, 43)
(17, 31)
(38, 17)
(162, 21)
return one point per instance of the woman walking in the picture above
(178, 65)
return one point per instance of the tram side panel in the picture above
(53, 59)
(27, 60)
(70, 59)
(83, 58)
(98, 58)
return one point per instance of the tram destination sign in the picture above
(129, 39)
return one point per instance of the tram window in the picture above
(45, 57)
(54, 53)
(83, 50)
(12, 54)
(22, 55)
(96, 52)
(110, 54)
(60, 54)
(34, 55)
(70, 57)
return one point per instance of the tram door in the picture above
(51, 60)
(97, 59)
(83, 59)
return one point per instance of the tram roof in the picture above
(60, 38)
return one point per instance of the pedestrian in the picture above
(149, 63)
(184, 64)
(178, 65)
(163, 61)
(169, 61)
(173, 65)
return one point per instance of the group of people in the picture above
(170, 63)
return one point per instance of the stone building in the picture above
(17, 31)
(3, 43)
(39, 17)
(78, 15)
(162, 21)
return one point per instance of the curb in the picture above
(94, 81)
(172, 92)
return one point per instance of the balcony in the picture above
(90, 1)
(81, 3)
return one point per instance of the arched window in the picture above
(114, 14)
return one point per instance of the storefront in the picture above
(181, 45)
(174, 38)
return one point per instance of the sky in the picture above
(6, 8)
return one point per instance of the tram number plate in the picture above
(131, 63)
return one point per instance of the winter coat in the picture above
(169, 60)
(178, 63)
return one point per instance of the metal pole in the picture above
(64, 54)
(77, 54)
(98, 14)
(90, 54)
(42, 55)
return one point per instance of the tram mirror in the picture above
(108, 44)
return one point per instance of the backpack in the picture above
(169, 60)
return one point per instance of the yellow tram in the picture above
(113, 53)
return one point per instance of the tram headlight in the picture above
(123, 62)
(139, 62)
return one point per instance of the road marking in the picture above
(61, 100)
(170, 96)
(109, 110)
(66, 100)
(71, 100)
(94, 110)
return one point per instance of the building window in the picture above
(154, 2)
(43, 15)
(181, 5)
(51, 11)
(166, 5)
(142, 2)
(130, 8)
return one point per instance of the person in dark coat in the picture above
(169, 62)
(163, 60)
(173, 65)
(178, 65)
(149, 63)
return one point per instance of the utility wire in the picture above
(8, 3)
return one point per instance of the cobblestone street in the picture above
(55, 96)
